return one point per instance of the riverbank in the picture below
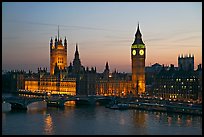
(173, 108)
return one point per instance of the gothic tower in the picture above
(106, 71)
(138, 54)
(58, 54)
(76, 61)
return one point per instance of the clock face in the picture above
(133, 52)
(141, 52)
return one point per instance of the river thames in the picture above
(95, 120)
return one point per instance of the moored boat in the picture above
(119, 106)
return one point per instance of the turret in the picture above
(51, 42)
(56, 43)
(76, 61)
(65, 43)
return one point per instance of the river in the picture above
(95, 120)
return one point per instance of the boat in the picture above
(119, 106)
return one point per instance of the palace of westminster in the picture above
(182, 82)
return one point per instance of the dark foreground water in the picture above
(98, 120)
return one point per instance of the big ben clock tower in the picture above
(138, 54)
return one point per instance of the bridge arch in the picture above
(21, 103)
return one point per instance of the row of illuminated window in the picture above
(190, 80)
(60, 52)
(177, 80)
(60, 60)
(68, 85)
(176, 95)
(172, 86)
(175, 91)
(57, 84)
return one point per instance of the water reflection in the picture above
(188, 121)
(169, 120)
(122, 119)
(48, 127)
(70, 104)
(179, 120)
(139, 118)
(36, 107)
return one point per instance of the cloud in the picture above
(185, 39)
(73, 27)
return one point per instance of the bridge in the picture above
(21, 103)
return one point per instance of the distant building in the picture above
(151, 71)
(199, 75)
(57, 82)
(176, 84)
(113, 84)
(150, 74)
(124, 84)
(186, 62)
(13, 80)
(77, 70)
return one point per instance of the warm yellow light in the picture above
(138, 46)
(133, 52)
(141, 52)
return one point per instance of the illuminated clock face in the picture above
(133, 52)
(141, 52)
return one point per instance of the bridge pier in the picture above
(15, 106)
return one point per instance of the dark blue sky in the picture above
(104, 32)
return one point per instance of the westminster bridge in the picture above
(21, 102)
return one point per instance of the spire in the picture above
(138, 27)
(107, 67)
(56, 41)
(76, 52)
(65, 42)
(77, 63)
(138, 37)
(76, 47)
(138, 33)
(58, 32)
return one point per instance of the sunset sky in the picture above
(104, 32)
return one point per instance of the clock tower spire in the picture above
(138, 54)
(138, 37)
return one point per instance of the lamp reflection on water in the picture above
(179, 120)
(188, 121)
(169, 120)
(48, 127)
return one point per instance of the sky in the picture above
(104, 32)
